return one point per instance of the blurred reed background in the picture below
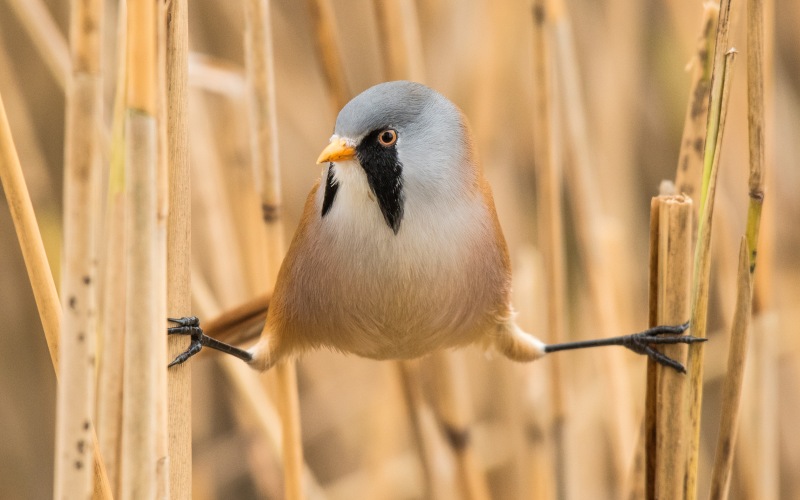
(358, 438)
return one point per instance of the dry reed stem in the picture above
(755, 120)
(732, 386)
(30, 239)
(329, 51)
(456, 418)
(433, 459)
(46, 36)
(178, 247)
(42, 283)
(594, 250)
(715, 98)
(689, 173)
(674, 267)
(141, 380)
(264, 130)
(401, 47)
(160, 291)
(702, 267)
(112, 330)
(648, 481)
(549, 215)
(141, 56)
(75, 404)
(143, 325)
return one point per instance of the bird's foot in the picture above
(643, 342)
(191, 326)
(187, 326)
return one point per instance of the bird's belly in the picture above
(363, 289)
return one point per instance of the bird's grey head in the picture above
(409, 140)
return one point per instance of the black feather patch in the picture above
(384, 175)
(331, 186)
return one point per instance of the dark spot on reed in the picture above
(72, 302)
(270, 213)
(458, 438)
(87, 279)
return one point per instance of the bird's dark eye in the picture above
(387, 138)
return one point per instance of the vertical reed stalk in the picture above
(594, 251)
(144, 357)
(42, 283)
(401, 44)
(112, 330)
(718, 109)
(329, 51)
(732, 386)
(179, 381)
(76, 391)
(674, 263)
(456, 417)
(264, 142)
(651, 393)
(549, 214)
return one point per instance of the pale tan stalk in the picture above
(46, 36)
(594, 250)
(423, 426)
(160, 349)
(329, 51)
(732, 386)
(702, 266)
(178, 248)
(264, 142)
(550, 222)
(112, 330)
(144, 357)
(76, 391)
(647, 483)
(674, 268)
(42, 283)
(401, 47)
(689, 173)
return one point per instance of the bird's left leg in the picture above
(191, 326)
(520, 346)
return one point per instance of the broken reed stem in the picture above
(144, 357)
(46, 36)
(112, 330)
(264, 144)
(549, 214)
(674, 267)
(702, 268)
(40, 276)
(179, 381)
(75, 405)
(593, 250)
(651, 392)
(689, 173)
(732, 385)
(329, 51)
(401, 47)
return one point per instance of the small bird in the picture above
(399, 251)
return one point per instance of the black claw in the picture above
(642, 343)
(187, 326)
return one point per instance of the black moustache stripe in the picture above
(384, 175)
(331, 187)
